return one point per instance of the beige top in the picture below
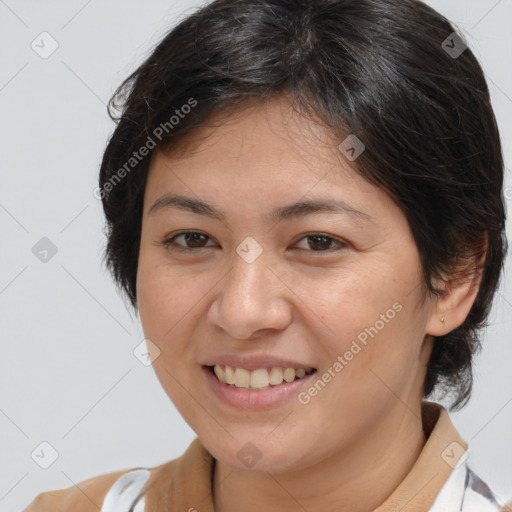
(185, 483)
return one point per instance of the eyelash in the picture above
(168, 243)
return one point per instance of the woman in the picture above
(304, 203)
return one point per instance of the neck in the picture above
(357, 479)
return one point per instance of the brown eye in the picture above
(196, 241)
(193, 240)
(319, 242)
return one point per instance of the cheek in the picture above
(379, 359)
(166, 314)
(342, 301)
(166, 303)
(368, 319)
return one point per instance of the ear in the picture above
(458, 295)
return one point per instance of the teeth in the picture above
(276, 376)
(221, 374)
(289, 374)
(230, 375)
(260, 378)
(242, 378)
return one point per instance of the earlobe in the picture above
(458, 295)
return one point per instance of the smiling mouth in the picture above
(259, 379)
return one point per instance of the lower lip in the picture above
(251, 399)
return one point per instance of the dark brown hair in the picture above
(380, 70)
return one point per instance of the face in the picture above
(227, 283)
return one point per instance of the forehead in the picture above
(263, 162)
(266, 142)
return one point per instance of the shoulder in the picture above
(168, 486)
(85, 496)
(111, 492)
(465, 491)
(478, 495)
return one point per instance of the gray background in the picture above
(68, 375)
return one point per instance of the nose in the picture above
(251, 300)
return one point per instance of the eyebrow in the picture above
(280, 213)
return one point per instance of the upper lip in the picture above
(255, 362)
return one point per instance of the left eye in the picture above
(319, 242)
(194, 241)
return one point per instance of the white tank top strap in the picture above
(125, 492)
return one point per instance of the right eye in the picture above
(194, 238)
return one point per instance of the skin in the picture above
(363, 431)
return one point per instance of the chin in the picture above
(256, 453)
